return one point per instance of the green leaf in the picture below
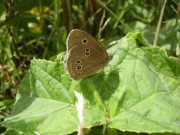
(6, 102)
(137, 91)
(2, 12)
(23, 6)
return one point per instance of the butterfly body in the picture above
(84, 54)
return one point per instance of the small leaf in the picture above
(6, 102)
(2, 13)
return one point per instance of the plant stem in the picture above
(159, 24)
(113, 14)
(67, 15)
(174, 44)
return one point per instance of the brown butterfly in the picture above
(84, 54)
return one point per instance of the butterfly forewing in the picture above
(79, 37)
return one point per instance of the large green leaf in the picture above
(137, 91)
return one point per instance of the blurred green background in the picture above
(38, 28)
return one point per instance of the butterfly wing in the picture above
(81, 62)
(85, 54)
(79, 37)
